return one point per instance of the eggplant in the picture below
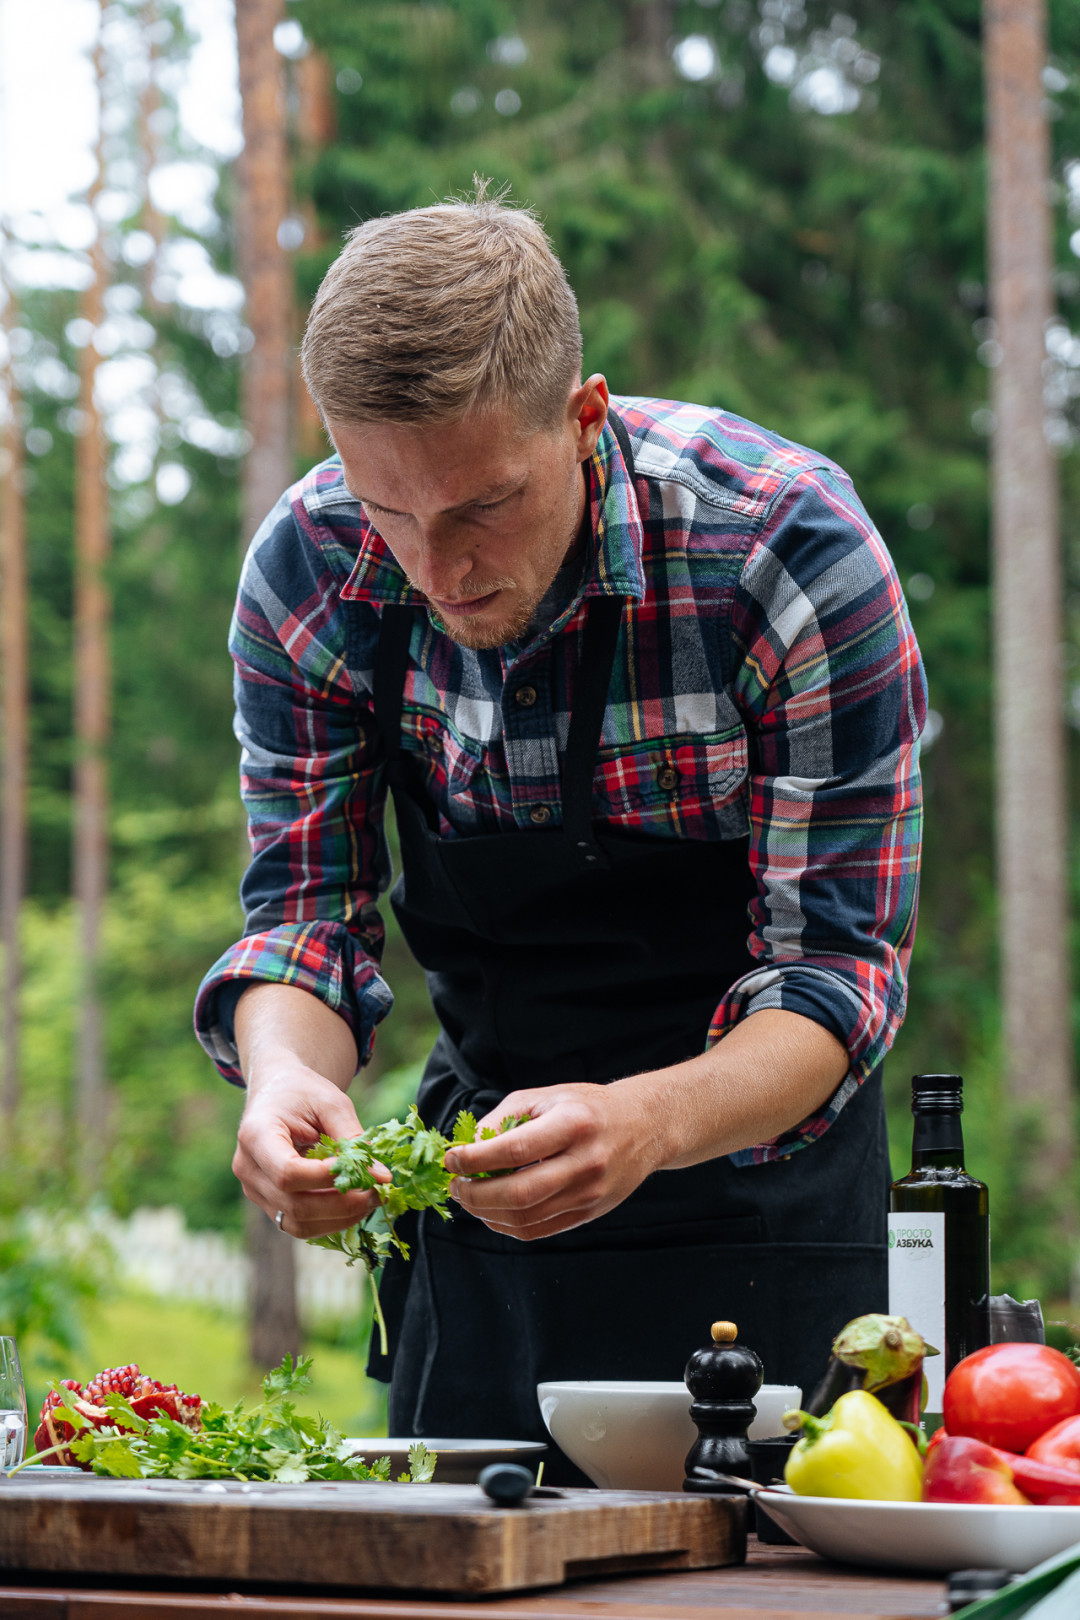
(881, 1354)
(838, 1379)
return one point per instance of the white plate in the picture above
(460, 1461)
(936, 1537)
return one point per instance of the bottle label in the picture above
(917, 1286)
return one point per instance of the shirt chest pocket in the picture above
(689, 786)
(449, 764)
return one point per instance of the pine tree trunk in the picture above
(262, 206)
(265, 403)
(1028, 589)
(274, 1324)
(649, 30)
(92, 673)
(316, 128)
(149, 105)
(15, 676)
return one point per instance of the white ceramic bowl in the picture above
(633, 1435)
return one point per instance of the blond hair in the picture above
(430, 313)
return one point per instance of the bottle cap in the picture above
(937, 1093)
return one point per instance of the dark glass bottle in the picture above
(939, 1235)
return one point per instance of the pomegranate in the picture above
(146, 1396)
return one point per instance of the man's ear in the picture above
(586, 411)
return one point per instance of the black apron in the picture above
(578, 954)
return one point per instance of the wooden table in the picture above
(776, 1583)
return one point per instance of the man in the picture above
(640, 678)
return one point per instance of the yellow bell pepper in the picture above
(856, 1449)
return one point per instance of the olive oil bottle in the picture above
(939, 1235)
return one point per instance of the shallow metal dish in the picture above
(460, 1461)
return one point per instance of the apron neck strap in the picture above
(593, 682)
(391, 662)
(587, 719)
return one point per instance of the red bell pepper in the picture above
(1043, 1483)
(960, 1469)
(1059, 1446)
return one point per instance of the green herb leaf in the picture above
(464, 1129)
(421, 1463)
(419, 1179)
(117, 1459)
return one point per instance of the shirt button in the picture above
(526, 696)
(539, 814)
(667, 777)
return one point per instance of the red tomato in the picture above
(1059, 1446)
(1009, 1394)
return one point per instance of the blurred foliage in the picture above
(45, 1288)
(822, 273)
(51, 1269)
(204, 1350)
(731, 242)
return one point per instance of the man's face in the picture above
(479, 514)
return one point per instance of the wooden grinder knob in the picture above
(724, 1332)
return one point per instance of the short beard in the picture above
(480, 635)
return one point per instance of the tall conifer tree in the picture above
(14, 608)
(92, 681)
(266, 388)
(1031, 817)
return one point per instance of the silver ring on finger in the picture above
(278, 1218)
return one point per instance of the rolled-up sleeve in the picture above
(831, 689)
(313, 787)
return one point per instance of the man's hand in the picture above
(281, 1033)
(284, 1117)
(586, 1147)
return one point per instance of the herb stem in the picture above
(379, 1317)
(35, 1457)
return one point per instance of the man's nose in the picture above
(442, 564)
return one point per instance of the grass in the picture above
(203, 1350)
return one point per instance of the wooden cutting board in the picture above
(431, 1538)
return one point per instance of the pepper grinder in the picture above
(723, 1378)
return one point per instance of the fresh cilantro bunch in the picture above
(271, 1441)
(415, 1157)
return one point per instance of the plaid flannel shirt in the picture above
(766, 657)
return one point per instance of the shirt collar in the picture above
(615, 567)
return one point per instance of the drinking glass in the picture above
(12, 1406)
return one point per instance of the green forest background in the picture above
(732, 241)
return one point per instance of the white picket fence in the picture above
(157, 1253)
